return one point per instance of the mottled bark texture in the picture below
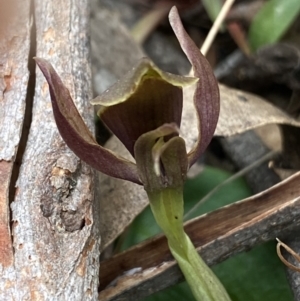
(49, 231)
(14, 50)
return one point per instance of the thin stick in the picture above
(216, 26)
(229, 180)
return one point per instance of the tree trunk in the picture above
(49, 225)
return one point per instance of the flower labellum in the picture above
(143, 109)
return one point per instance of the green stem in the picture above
(167, 208)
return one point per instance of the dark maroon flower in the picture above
(143, 110)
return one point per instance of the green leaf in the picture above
(212, 8)
(255, 275)
(195, 189)
(272, 21)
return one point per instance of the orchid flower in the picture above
(143, 109)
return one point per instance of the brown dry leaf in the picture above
(271, 136)
(240, 111)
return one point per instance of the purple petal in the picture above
(206, 97)
(76, 134)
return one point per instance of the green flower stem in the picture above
(167, 208)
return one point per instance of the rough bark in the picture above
(52, 252)
(14, 50)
